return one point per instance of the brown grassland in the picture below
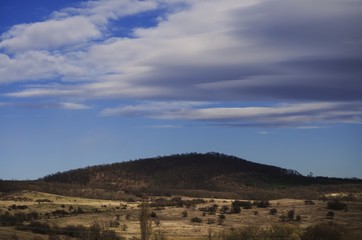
(173, 221)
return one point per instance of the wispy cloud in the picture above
(38, 92)
(281, 115)
(3, 104)
(73, 106)
(203, 51)
(167, 126)
(48, 105)
(167, 110)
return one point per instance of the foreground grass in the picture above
(122, 217)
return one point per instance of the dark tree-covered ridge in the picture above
(209, 171)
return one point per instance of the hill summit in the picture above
(193, 171)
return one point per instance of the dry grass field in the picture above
(174, 221)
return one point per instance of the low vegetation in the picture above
(60, 218)
(191, 196)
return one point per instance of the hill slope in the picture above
(210, 171)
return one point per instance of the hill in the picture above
(194, 171)
(194, 174)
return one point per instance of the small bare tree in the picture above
(145, 220)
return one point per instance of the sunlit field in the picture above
(172, 217)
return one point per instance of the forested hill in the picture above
(210, 171)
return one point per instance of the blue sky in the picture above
(94, 82)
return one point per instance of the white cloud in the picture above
(296, 115)
(48, 105)
(73, 106)
(49, 34)
(167, 126)
(224, 51)
(40, 65)
(102, 11)
(70, 26)
(151, 109)
(41, 92)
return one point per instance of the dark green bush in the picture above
(262, 204)
(242, 204)
(224, 209)
(330, 215)
(273, 211)
(196, 220)
(336, 205)
(184, 213)
(324, 231)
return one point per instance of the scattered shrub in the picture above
(196, 220)
(235, 209)
(60, 213)
(330, 215)
(42, 200)
(224, 209)
(113, 223)
(79, 210)
(153, 215)
(262, 204)
(221, 219)
(158, 235)
(176, 201)
(290, 215)
(18, 207)
(336, 205)
(210, 221)
(124, 227)
(210, 209)
(273, 211)
(309, 202)
(242, 204)
(184, 213)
